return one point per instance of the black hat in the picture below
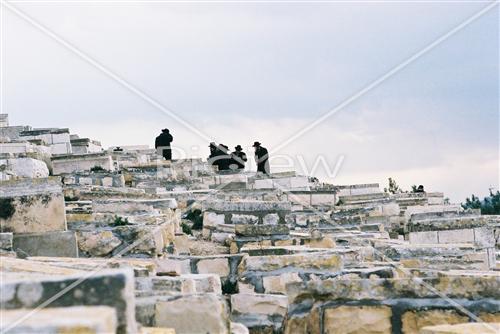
(256, 144)
(212, 144)
(238, 148)
(165, 130)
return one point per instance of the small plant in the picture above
(393, 187)
(119, 221)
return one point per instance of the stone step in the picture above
(56, 244)
(75, 319)
(261, 313)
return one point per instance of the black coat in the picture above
(163, 140)
(262, 159)
(239, 158)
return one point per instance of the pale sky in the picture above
(241, 72)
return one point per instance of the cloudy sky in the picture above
(240, 72)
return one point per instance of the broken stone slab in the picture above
(173, 267)
(246, 206)
(193, 314)
(32, 206)
(135, 206)
(97, 243)
(259, 312)
(318, 261)
(76, 319)
(72, 163)
(465, 328)
(114, 288)
(57, 244)
(257, 230)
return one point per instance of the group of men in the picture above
(220, 155)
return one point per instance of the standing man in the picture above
(238, 158)
(262, 159)
(162, 144)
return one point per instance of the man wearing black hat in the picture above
(162, 144)
(262, 159)
(238, 158)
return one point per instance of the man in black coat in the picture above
(238, 158)
(162, 144)
(262, 159)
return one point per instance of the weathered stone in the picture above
(261, 313)
(332, 262)
(6, 241)
(114, 288)
(173, 266)
(32, 206)
(157, 330)
(60, 244)
(219, 266)
(358, 320)
(256, 230)
(76, 319)
(97, 243)
(192, 314)
(238, 328)
(67, 164)
(468, 328)
(277, 284)
(414, 321)
(259, 304)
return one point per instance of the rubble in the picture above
(120, 240)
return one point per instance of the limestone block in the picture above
(271, 219)
(107, 181)
(6, 241)
(76, 319)
(326, 261)
(414, 321)
(193, 314)
(219, 266)
(157, 330)
(425, 237)
(97, 243)
(165, 285)
(456, 236)
(266, 304)
(114, 288)
(257, 230)
(172, 266)
(238, 328)
(484, 237)
(28, 167)
(67, 164)
(32, 206)
(85, 181)
(358, 320)
(206, 283)
(212, 219)
(277, 284)
(466, 328)
(59, 244)
(489, 317)
(244, 219)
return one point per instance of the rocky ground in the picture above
(96, 241)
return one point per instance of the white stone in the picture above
(259, 304)
(219, 266)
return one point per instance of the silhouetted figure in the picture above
(262, 159)
(420, 189)
(238, 158)
(219, 156)
(162, 144)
